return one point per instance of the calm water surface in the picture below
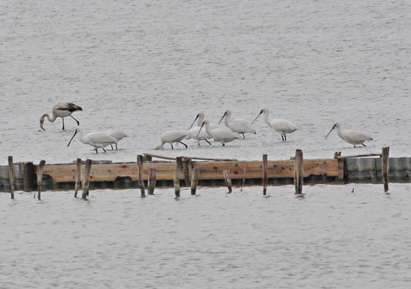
(331, 239)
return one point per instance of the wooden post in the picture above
(86, 180)
(152, 180)
(265, 174)
(385, 167)
(29, 177)
(243, 179)
(187, 171)
(40, 169)
(12, 177)
(298, 172)
(77, 177)
(147, 157)
(140, 175)
(194, 180)
(176, 186)
(228, 180)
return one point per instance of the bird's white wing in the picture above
(355, 135)
(101, 138)
(283, 125)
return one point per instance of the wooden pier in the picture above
(150, 171)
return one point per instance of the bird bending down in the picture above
(117, 134)
(193, 132)
(220, 134)
(61, 110)
(240, 126)
(282, 126)
(98, 140)
(350, 136)
(173, 136)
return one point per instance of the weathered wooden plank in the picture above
(206, 170)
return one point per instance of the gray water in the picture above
(332, 238)
(150, 66)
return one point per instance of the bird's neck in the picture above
(208, 130)
(50, 119)
(200, 120)
(267, 117)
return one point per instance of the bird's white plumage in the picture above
(350, 136)
(281, 126)
(237, 125)
(193, 132)
(171, 137)
(221, 134)
(98, 140)
(118, 134)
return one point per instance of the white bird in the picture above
(281, 126)
(117, 134)
(240, 126)
(220, 134)
(193, 132)
(351, 136)
(61, 110)
(173, 136)
(98, 140)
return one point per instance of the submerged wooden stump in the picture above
(194, 181)
(298, 172)
(140, 161)
(228, 182)
(39, 172)
(77, 177)
(152, 180)
(12, 177)
(265, 174)
(385, 166)
(86, 180)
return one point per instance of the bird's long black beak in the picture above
(69, 143)
(197, 116)
(221, 119)
(330, 131)
(199, 131)
(260, 113)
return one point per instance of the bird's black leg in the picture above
(62, 119)
(208, 142)
(285, 136)
(112, 147)
(172, 146)
(364, 145)
(184, 144)
(96, 151)
(223, 144)
(116, 147)
(243, 135)
(104, 150)
(75, 119)
(282, 137)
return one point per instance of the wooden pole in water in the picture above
(86, 180)
(177, 176)
(40, 169)
(194, 180)
(265, 174)
(187, 170)
(12, 176)
(140, 161)
(29, 177)
(298, 172)
(227, 178)
(243, 178)
(152, 180)
(77, 177)
(385, 166)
